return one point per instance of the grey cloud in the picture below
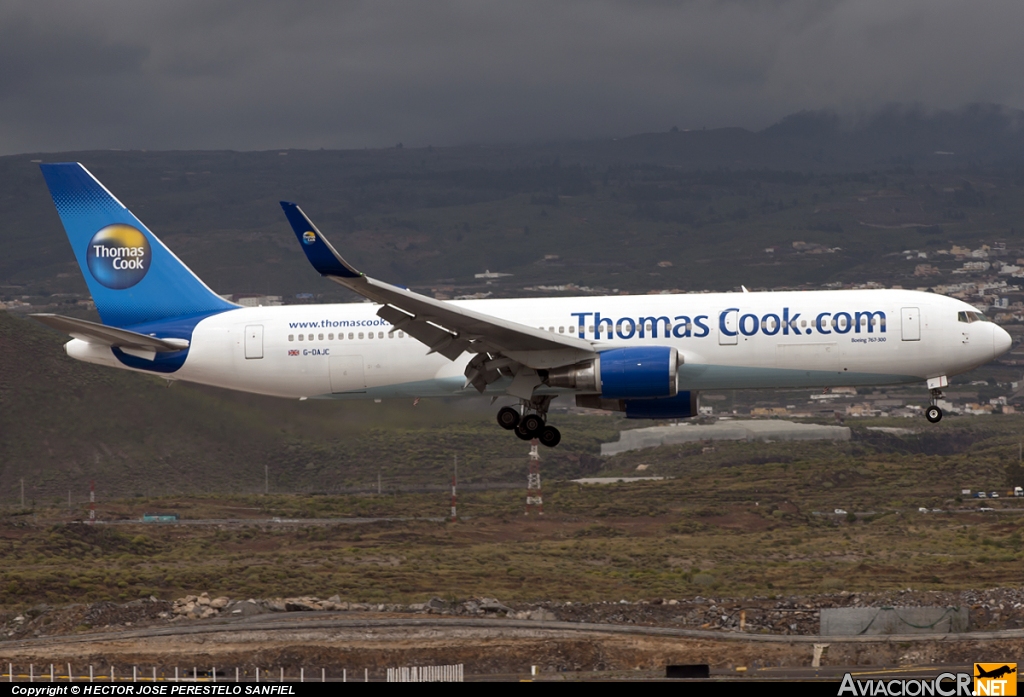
(251, 75)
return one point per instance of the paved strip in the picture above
(322, 620)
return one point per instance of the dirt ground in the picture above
(355, 645)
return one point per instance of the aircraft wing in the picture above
(444, 327)
(110, 336)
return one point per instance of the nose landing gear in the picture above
(531, 424)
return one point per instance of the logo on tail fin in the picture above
(118, 256)
(309, 237)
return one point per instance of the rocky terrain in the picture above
(1000, 608)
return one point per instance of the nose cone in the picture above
(1000, 341)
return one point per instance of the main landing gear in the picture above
(934, 413)
(529, 421)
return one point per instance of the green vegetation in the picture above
(739, 530)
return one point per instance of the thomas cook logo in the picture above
(118, 256)
(309, 237)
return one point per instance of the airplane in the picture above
(646, 356)
(994, 673)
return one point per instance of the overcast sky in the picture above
(252, 74)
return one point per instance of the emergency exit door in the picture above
(254, 341)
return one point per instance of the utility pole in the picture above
(455, 479)
(534, 497)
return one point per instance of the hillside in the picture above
(685, 210)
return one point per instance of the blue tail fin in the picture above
(132, 276)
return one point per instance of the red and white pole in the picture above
(534, 496)
(455, 475)
(92, 502)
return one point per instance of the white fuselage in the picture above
(724, 340)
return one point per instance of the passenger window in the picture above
(380, 335)
(551, 329)
(330, 337)
(360, 335)
(591, 328)
(803, 323)
(302, 337)
(320, 337)
(350, 335)
(391, 335)
(291, 337)
(401, 335)
(561, 330)
(310, 337)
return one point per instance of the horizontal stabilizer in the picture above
(94, 333)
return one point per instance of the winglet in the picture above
(324, 257)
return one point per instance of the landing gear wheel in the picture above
(522, 434)
(532, 424)
(549, 436)
(933, 414)
(508, 418)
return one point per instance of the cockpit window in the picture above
(969, 316)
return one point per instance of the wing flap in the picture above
(439, 340)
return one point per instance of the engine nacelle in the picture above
(642, 373)
(626, 373)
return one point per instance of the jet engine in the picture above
(625, 373)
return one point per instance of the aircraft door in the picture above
(347, 374)
(911, 323)
(254, 341)
(730, 336)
